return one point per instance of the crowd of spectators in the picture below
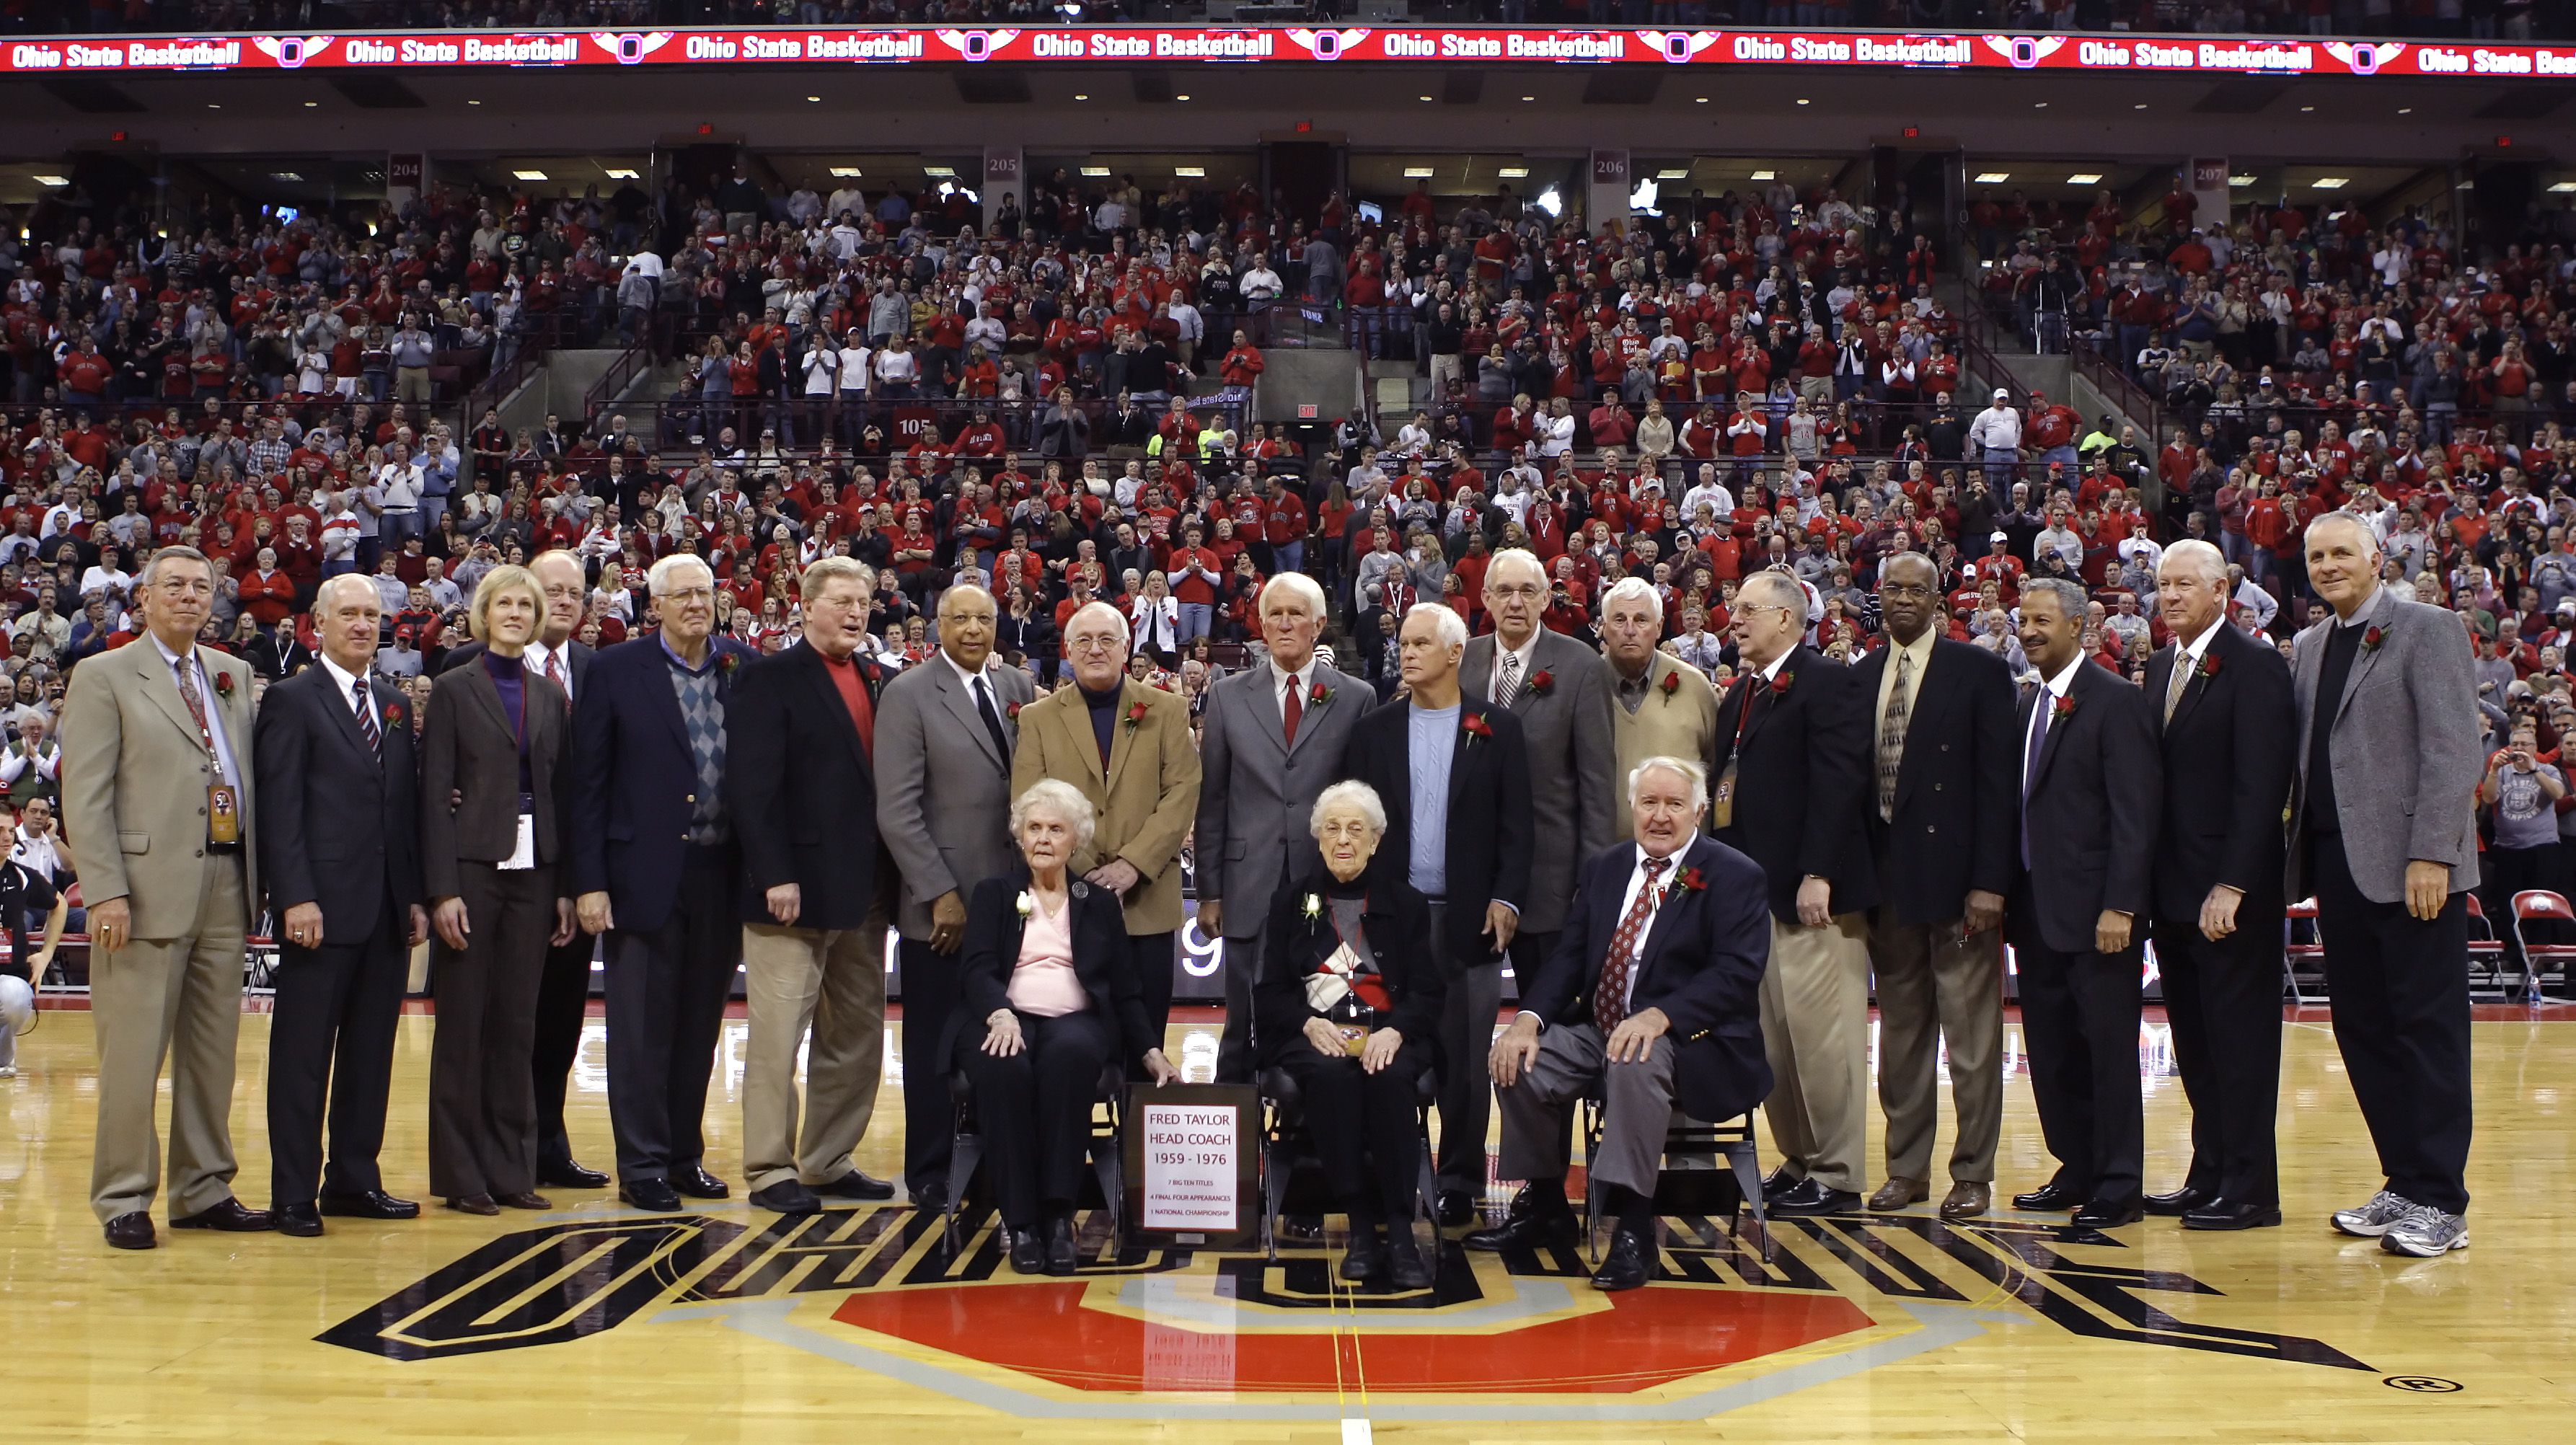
(2425, 19)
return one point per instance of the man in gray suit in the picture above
(2383, 834)
(1271, 739)
(945, 730)
(1558, 689)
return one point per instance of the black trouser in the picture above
(2224, 1002)
(2079, 1023)
(1150, 954)
(666, 1001)
(331, 1035)
(563, 1002)
(2400, 991)
(929, 981)
(1234, 1048)
(1365, 1129)
(2514, 870)
(1035, 1110)
(482, 1111)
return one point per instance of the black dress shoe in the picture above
(374, 1204)
(2051, 1195)
(1303, 1227)
(787, 1197)
(1811, 1196)
(1457, 1207)
(524, 1199)
(1405, 1267)
(304, 1221)
(1626, 1265)
(1531, 1231)
(1365, 1257)
(2099, 1215)
(855, 1185)
(1778, 1182)
(2220, 1213)
(569, 1174)
(930, 1200)
(697, 1183)
(229, 1215)
(650, 1194)
(1028, 1252)
(131, 1231)
(474, 1204)
(1061, 1255)
(2182, 1201)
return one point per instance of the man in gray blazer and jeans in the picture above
(2383, 833)
(1270, 741)
(945, 731)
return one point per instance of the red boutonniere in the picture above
(393, 715)
(2209, 665)
(224, 686)
(726, 662)
(1318, 695)
(1780, 683)
(2065, 709)
(2371, 638)
(1011, 711)
(1671, 684)
(1135, 715)
(1542, 682)
(1476, 726)
(1690, 880)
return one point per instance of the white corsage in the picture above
(1314, 906)
(1027, 904)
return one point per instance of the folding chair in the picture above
(2293, 952)
(1108, 1161)
(2541, 904)
(1291, 1167)
(2485, 946)
(1685, 1190)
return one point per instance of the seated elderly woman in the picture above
(1348, 999)
(1046, 970)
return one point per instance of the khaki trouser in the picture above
(1815, 1030)
(832, 981)
(180, 999)
(1937, 986)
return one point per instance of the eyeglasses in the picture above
(1903, 589)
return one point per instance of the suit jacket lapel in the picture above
(1767, 697)
(2058, 725)
(821, 674)
(666, 697)
(1675, 899)
(1928, 691)
(339, 709)
(1265, 708)
(488, 696)
(2195, 687)
(961, 701)
(161, 683)
(2375, 615)
(1073, 724)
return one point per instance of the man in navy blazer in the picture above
(1653, 992)
(653, 863)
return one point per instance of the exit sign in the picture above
(1306, 411)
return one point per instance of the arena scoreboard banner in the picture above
(2105, 52)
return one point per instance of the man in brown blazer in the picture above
(1126, 747)
(157, 799)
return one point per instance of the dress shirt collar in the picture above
(1280, 677)
(1920, 649)
(2064, 682)
(343, 680)
(531, 658)
(169, 658)
(2198, 647)
(2359, 615)
(984, 675)
(1771, 672)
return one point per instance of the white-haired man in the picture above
(653, 864)
(1652, 995)
(1270, 740)
(1661, 706)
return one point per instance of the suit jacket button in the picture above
(1936, 787)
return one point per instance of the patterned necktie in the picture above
(367, 723)
(1291, 708)
(1891, 734)
(555, 675)
(2174, 685)
(189, 694)
(1610, 998)
(1511, 685)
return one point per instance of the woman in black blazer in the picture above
(1047, 971)
(494, 744)
(1348, 1004)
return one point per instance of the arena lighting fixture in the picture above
(1417, 173)
(284, 176)
(473, 102)
(529, 175)
(312, 105)
(1082, 97)
(2085, 178)
(2560, 189)
(939, 170)
(2330, 183)
(1993, 178)
(620, 173)
(1180, 97)
(2405, 110)
(2306, 109)
(814, 100)
(2240, 180)
(2141, 105)
(1802, 100)
(1426, 100)
(846, 173)
(1190, 173)
(1515, 173)
(2039, 105)
(1673, 173)
(1703, 100)
(1766, 175)
(51, 180)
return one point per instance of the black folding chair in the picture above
(1108, 1162)
(1292, 1171)
(1686, 1190)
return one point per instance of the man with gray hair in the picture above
(1662, 706)
(1270, 740)
(1453, 772)
(653, 861)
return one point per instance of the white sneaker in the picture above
(8, 1071)
(2426, 1232)
(2371, 1221)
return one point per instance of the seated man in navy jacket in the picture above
(1653, 993)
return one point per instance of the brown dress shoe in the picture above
(1966, 1200)
(524, 1199)
(474, 1204)
(1899, 1192)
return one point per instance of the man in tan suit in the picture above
(1661, 706)
(157, 798)
(1125, 747)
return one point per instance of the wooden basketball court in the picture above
(723, 1323)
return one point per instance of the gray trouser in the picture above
(1235, 1054)
(1637, 1109)
(1466, 1096)
(177, 999)
(822, 991)
(1935, 987)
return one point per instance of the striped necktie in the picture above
(367, 723)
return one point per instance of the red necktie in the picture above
(555, 675)
(1610, 999)
(1292, 708)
